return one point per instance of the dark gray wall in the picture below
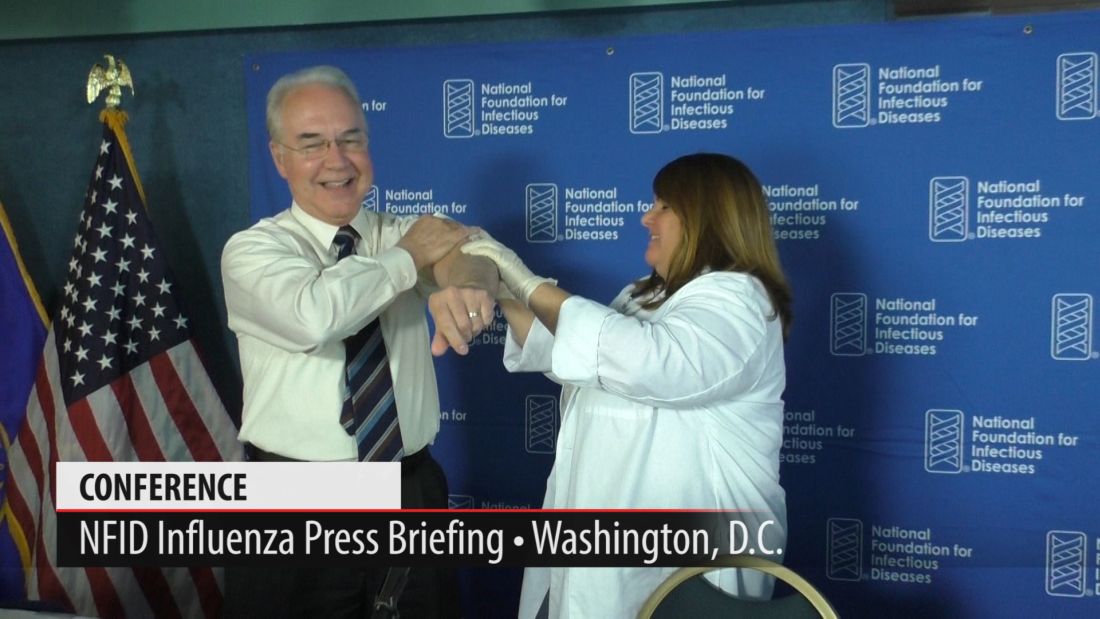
(187, 127)
(64, 18)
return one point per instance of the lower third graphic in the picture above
(1066, 558)
(844, 554)
(542, 424)
(943, 441)
(1071, 327)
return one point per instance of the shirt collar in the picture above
(325, 232)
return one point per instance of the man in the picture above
(303, 290)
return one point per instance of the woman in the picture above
(672, 395)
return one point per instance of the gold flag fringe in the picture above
(116, 120)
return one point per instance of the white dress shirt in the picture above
(291, 305)
(679, 407)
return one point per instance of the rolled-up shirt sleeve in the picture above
(700, 349)
(286, 299)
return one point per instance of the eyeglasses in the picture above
(317, 149)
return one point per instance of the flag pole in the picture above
(120, 381)
(110, 80)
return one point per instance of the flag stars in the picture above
(116, 304)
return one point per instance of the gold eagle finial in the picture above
(113, 78)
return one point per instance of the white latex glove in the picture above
(515, 275)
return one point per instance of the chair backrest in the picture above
(698, 598)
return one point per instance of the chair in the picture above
(687, 594)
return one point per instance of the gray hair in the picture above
(322, 74)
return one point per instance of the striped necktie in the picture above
(370, 412)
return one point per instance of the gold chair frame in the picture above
(798, 583)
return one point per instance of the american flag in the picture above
(119, 380)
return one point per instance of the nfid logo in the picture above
(1077, 86)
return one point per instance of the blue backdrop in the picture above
(935, 195)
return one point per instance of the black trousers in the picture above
(349, 592)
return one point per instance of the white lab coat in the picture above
(679, 407)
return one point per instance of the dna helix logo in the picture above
(542, 212)
(1077, 86)
(458, 108)
(844, 549)
(943, 441)
(647, 102)
(1066, 554)
(460, 501)
(541, 424)
(1071, 317)
(848, 324)
(371, 201)
(851, 95)
(948, 209)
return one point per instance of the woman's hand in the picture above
(515, 275)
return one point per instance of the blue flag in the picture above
(23, 328)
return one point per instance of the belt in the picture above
(410, 461)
